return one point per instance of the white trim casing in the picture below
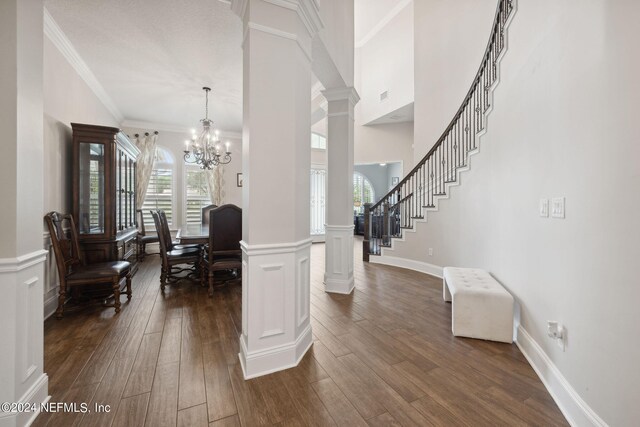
(422, 267)
(163, 127)
(60, 40)
(21, 327)
(383, 22)
(307, 10)
(573, 407)
(276, 327)
(278, 33)
(338, 276)
(22, 262)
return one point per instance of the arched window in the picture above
(160, 190)
(318, 141)
(196, 193)
(362, 192)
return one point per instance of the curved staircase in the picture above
(429, 181)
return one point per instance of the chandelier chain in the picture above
(204, 150)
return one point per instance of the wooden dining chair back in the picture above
(73, 271)
(163, 229)
(171, 255)
(223, 251)
(142, 239)
(205, 213)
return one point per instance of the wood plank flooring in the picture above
(383, 356)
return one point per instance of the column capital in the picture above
(308, 11)
(346, 93)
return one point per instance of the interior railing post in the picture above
(385, 224)
(367, 232)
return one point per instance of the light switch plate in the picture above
(544, 208)
(557, 207)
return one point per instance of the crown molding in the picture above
(316, 90)
(342, 93)
(239, 7)
(308, 11)
(278, 33)
(383, 22)
(53, 31)
(161, 127)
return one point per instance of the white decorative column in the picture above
(338, 276)
(21, 164)
(276, 329)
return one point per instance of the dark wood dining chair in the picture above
(73, 271)
(222, 253)
(205, 213)
(143, 239)
(172, 244)
(173, 255)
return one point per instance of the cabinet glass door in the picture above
(91, 188)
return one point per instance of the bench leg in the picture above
(446, 295)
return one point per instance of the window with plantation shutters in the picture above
(318, 141)
(362, 192)
(197, 194)
(160, 189)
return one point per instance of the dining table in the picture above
(193, 233)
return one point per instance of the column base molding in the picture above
(36, 395)
(337, 286)
(338, 276)
(22, 323)
(278, 358)
(276, 327)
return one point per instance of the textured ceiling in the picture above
(154, 56)
(368, 13)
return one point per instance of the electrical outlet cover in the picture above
(557, 207)
(544, 208)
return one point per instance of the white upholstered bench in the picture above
(481, 307)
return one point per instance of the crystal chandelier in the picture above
(204, 149)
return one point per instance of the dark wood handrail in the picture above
(430, 177)
(456, 117)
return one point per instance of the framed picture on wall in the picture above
(395, 180)
(239, 179)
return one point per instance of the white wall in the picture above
(337, 37)
(563, 125)
(450, 39)
(384, 143)
(67, 98)
(385, 63)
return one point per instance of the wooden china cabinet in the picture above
(104, 193)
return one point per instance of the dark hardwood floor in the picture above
(383, 356)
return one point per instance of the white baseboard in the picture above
(274, 359)
(339, 286)
(575, 410)
(50, 302)
(37, 394)
(422, 267)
